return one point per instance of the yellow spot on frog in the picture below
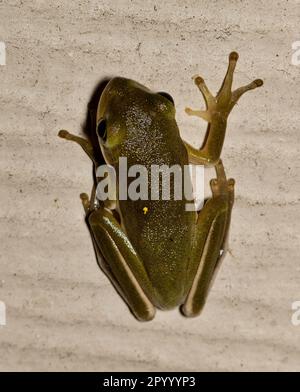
(145, 209)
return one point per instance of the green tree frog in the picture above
(158, 254)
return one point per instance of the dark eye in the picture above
(166, 95)
(101, 129)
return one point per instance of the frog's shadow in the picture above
(89, 126)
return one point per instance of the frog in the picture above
(156, 253)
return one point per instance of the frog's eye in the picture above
(166, 95)
(101, 129)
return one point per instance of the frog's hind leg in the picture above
(216, 114)
(120, 261)
(211, 242)
(88, 206)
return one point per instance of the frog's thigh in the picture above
(210, 234)
(124, 263)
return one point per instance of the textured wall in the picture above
(62, 312)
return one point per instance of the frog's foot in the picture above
(220, 186)
(85, 202)
(91, 204)
(217, 110)
(224, 101)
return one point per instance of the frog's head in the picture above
(128, 115)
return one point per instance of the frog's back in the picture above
(160, 230)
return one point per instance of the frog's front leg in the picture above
(216, 114)
(210, 242)
(84, 143)
(124, 264)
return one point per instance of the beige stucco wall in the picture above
(62, 312)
